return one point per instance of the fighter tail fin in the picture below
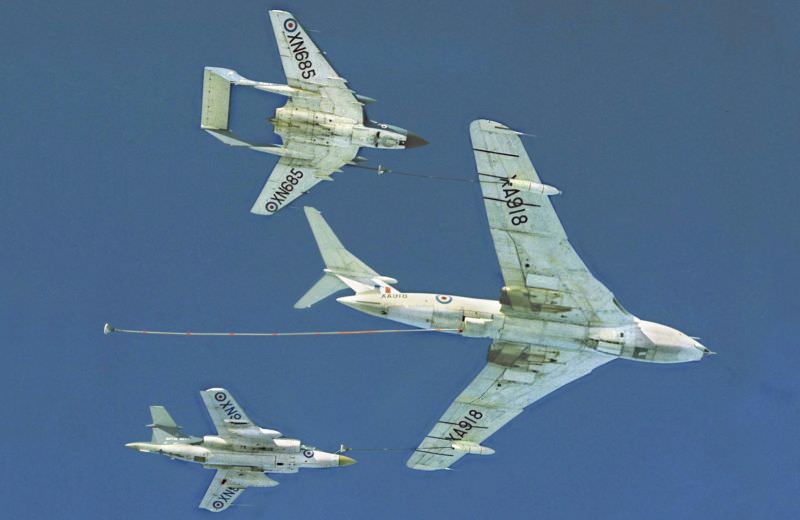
(342, 268)
(216, 99)
(164, 427)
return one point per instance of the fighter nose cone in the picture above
(346, 461)
(413, 140)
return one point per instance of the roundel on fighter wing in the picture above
(290, 24)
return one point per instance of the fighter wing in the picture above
(542, 271)
(306, 68)
(228, 417)
(515, 376)
(219, 495)
(292, 178)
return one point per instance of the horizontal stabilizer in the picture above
(228, 138)
(164, 427)
(326, 286)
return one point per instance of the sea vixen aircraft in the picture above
(323, 125)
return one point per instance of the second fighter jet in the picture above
(323, 125)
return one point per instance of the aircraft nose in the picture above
(702, 348)
(707, 352)
(413, 140)
(344, 460)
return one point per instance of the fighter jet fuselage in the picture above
(287, 455)
(323, 128)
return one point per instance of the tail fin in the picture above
(342, 268)
(216, 99)
(165, 431)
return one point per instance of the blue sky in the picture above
(671, 128)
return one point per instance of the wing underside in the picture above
(220, 495)
(306, 67)
(515, 376)
(542, 272)
(225, 412)
(293, 178)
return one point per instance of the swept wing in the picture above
(542, 272)
(307, 68)
(293, 178)
(544, 277)
(232, 422)
(515, 376)
(228, 485)
(220, 495)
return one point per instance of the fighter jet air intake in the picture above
(323, 125)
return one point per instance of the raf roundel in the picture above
(290, 24)
(308, 454)
(441, 298)
(220, 396)
(218, 504)
(271, 207)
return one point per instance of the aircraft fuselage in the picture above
(216, 452)
(324, 128)
(638, 340)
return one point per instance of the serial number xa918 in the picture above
(515, 203)
(467, 423)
